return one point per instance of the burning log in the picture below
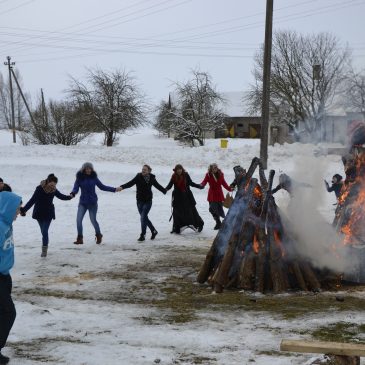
(350, 212)
(249, 250)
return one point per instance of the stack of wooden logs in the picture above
(251, 250)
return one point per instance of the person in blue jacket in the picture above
(87, 180)
(44, 211)
(9, 209)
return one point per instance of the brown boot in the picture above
(98, 238)
(79, 240)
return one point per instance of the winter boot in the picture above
(154, 234)
(3, 359)
(44, 251)
(79, 240)
(98, 238)
(218, 223)
(141, 238)
(200, 228)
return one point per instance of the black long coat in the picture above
(183, 203)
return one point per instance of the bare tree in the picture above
(58, 123)
(112, 101)
(353, 96)
(306, 73)
(196, 111)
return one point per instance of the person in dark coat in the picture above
(184, 211)
(215, 179)
(288, 184)
(44, 211)
(9, 210)
(144, 182)
(87, 180)
(336, 186)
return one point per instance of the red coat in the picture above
(215, 193)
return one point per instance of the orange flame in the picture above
(278, 242)
(355, 203)
(255, 244)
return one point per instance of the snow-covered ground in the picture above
(125, 302)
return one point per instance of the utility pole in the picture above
(10, 67)
(265, 114)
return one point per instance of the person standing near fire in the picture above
(9, 210)
(215, 178)
(336, 186)
(184, 212)
(144, 182)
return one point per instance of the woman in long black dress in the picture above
(184, 212)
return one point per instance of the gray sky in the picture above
(160, 40)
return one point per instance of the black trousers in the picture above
(7, 309)
(216, 210)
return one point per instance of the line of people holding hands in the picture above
(184, 212)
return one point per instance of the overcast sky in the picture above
(159, 40)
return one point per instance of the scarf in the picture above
(180, 181)
(47, 188)
(147, 178)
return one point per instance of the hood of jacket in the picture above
(81, 176)
(9, 203)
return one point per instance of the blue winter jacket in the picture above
(9, 203)
(87, 185)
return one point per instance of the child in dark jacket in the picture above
(336, 186)
(87, 180)
(9, 209)
(144, 182)
(44, 211)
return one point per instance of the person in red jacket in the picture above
(215, 179)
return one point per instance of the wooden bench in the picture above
(339, 353)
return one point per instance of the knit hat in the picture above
(87, 165)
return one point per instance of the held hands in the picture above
(201, 187)
(118, 189)
(22, 212)
(72, 195)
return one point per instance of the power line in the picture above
(287, 17)
(17, 7)
(124, 16)
(321, 10)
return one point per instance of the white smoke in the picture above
(314, 238)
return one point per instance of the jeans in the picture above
(81, 211)
(143, 209)
(44, 226)
(7, 309)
